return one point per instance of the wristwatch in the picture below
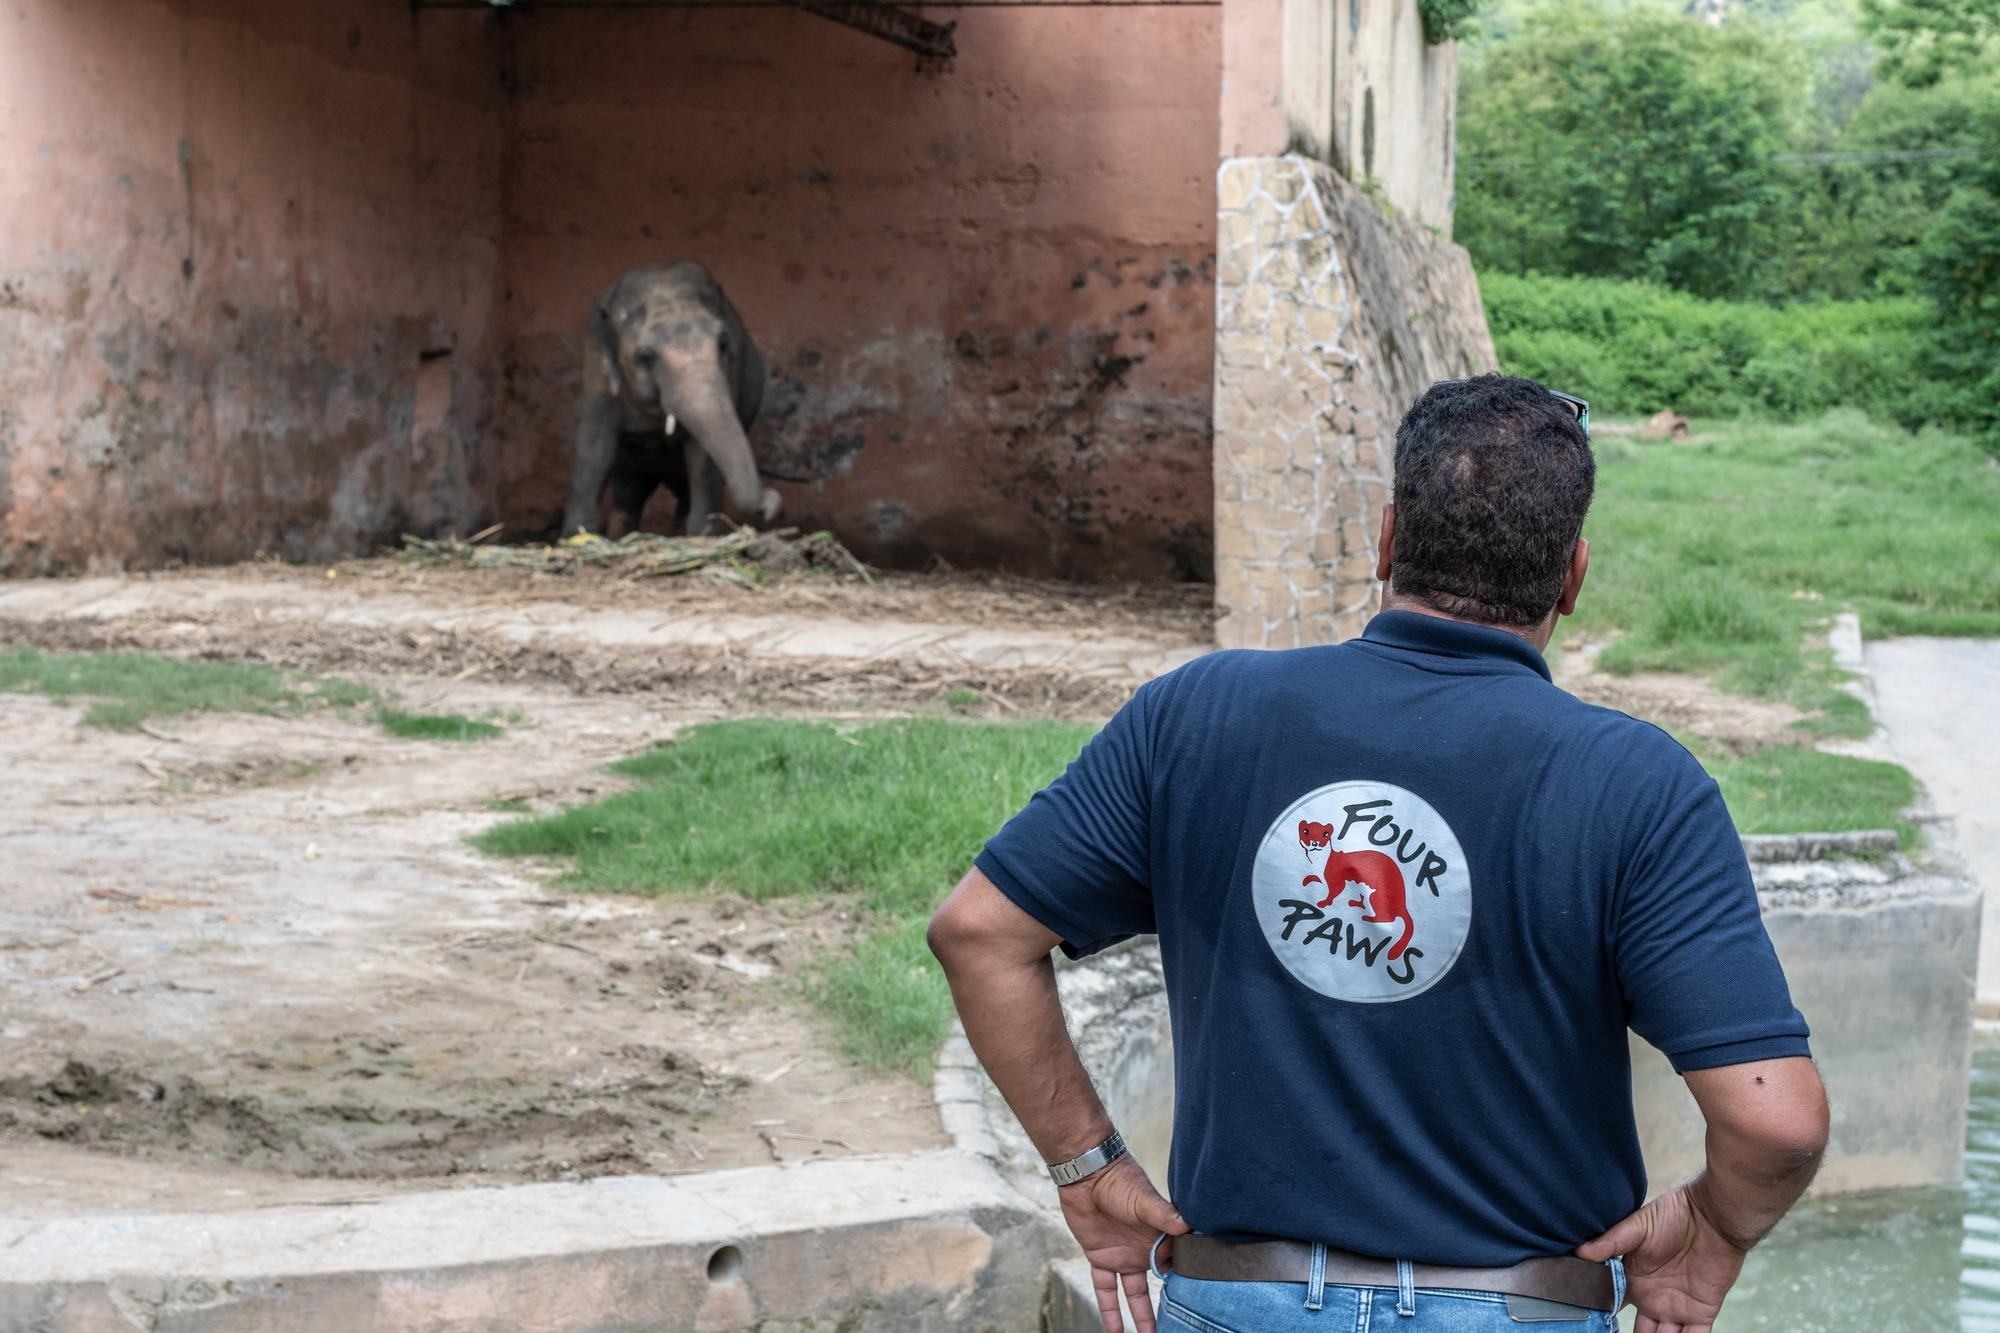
(1088, 1163)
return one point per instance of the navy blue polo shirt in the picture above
(1409, 896)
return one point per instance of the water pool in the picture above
(1915, 1261)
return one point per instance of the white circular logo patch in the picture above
(1363, 892)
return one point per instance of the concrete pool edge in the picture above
(934, 1240)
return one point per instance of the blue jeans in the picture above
(1194, 1306)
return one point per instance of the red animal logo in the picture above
(1383, 899)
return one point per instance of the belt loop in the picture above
(1316, 1277)
(1617, 1289)
(1406, 1289)
(1153, 1257)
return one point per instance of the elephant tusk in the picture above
(671, 423)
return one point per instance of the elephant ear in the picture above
(602, 353)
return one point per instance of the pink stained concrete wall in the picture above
(249, 264)
(986, 294)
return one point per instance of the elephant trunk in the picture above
(705, 409)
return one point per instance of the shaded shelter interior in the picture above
(299, 279)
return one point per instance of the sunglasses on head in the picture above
(1577, 408)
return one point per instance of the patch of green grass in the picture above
(888, 1000)
(435, 726)
(1797, 790)
(1727, 556)
(126, 689)
(893, 812)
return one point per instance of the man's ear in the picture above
(1579, 566)
(1385, 545)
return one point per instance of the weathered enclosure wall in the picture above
(985, 294)
(248, 269)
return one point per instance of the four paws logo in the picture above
(1362, 892)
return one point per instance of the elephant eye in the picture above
(646, 356)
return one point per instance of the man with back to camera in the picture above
(1408, 895)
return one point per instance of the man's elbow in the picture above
(953, 932)
(942, 935)
(1794, 1139)
(977, 926)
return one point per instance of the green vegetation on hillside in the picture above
(1633, 348)
(1770, 160)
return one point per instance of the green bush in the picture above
(1632, 348)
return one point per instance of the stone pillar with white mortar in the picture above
(1336, 303)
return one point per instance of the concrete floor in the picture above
(1939, 700)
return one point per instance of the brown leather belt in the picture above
(1559, 1278)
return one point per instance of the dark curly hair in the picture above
(1493, 478)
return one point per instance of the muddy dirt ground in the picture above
(247, 960)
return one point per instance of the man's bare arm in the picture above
(997, 959)
(1767, 1129)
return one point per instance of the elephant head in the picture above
(683, 361)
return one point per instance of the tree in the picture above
(1864, 192)
(1924, 40)
(1958, 267)
(1633, 145)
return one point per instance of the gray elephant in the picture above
(671, 384)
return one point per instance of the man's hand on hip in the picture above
(1115, 1216)
(1767, 1127)
(1677, 1266)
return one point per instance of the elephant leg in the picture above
(629, 492)
(596, 448)
(705, 489)
(674, 476)
(638, 470)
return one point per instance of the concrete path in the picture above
(1939, 700)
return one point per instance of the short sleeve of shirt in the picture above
(1701, 980)
(1077, 858)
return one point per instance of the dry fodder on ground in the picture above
(745, 555)
(719, 680)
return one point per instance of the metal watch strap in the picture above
(1088, 1163)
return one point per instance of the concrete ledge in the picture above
(1881, 961)
(935, 1241)
(1776, 848)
